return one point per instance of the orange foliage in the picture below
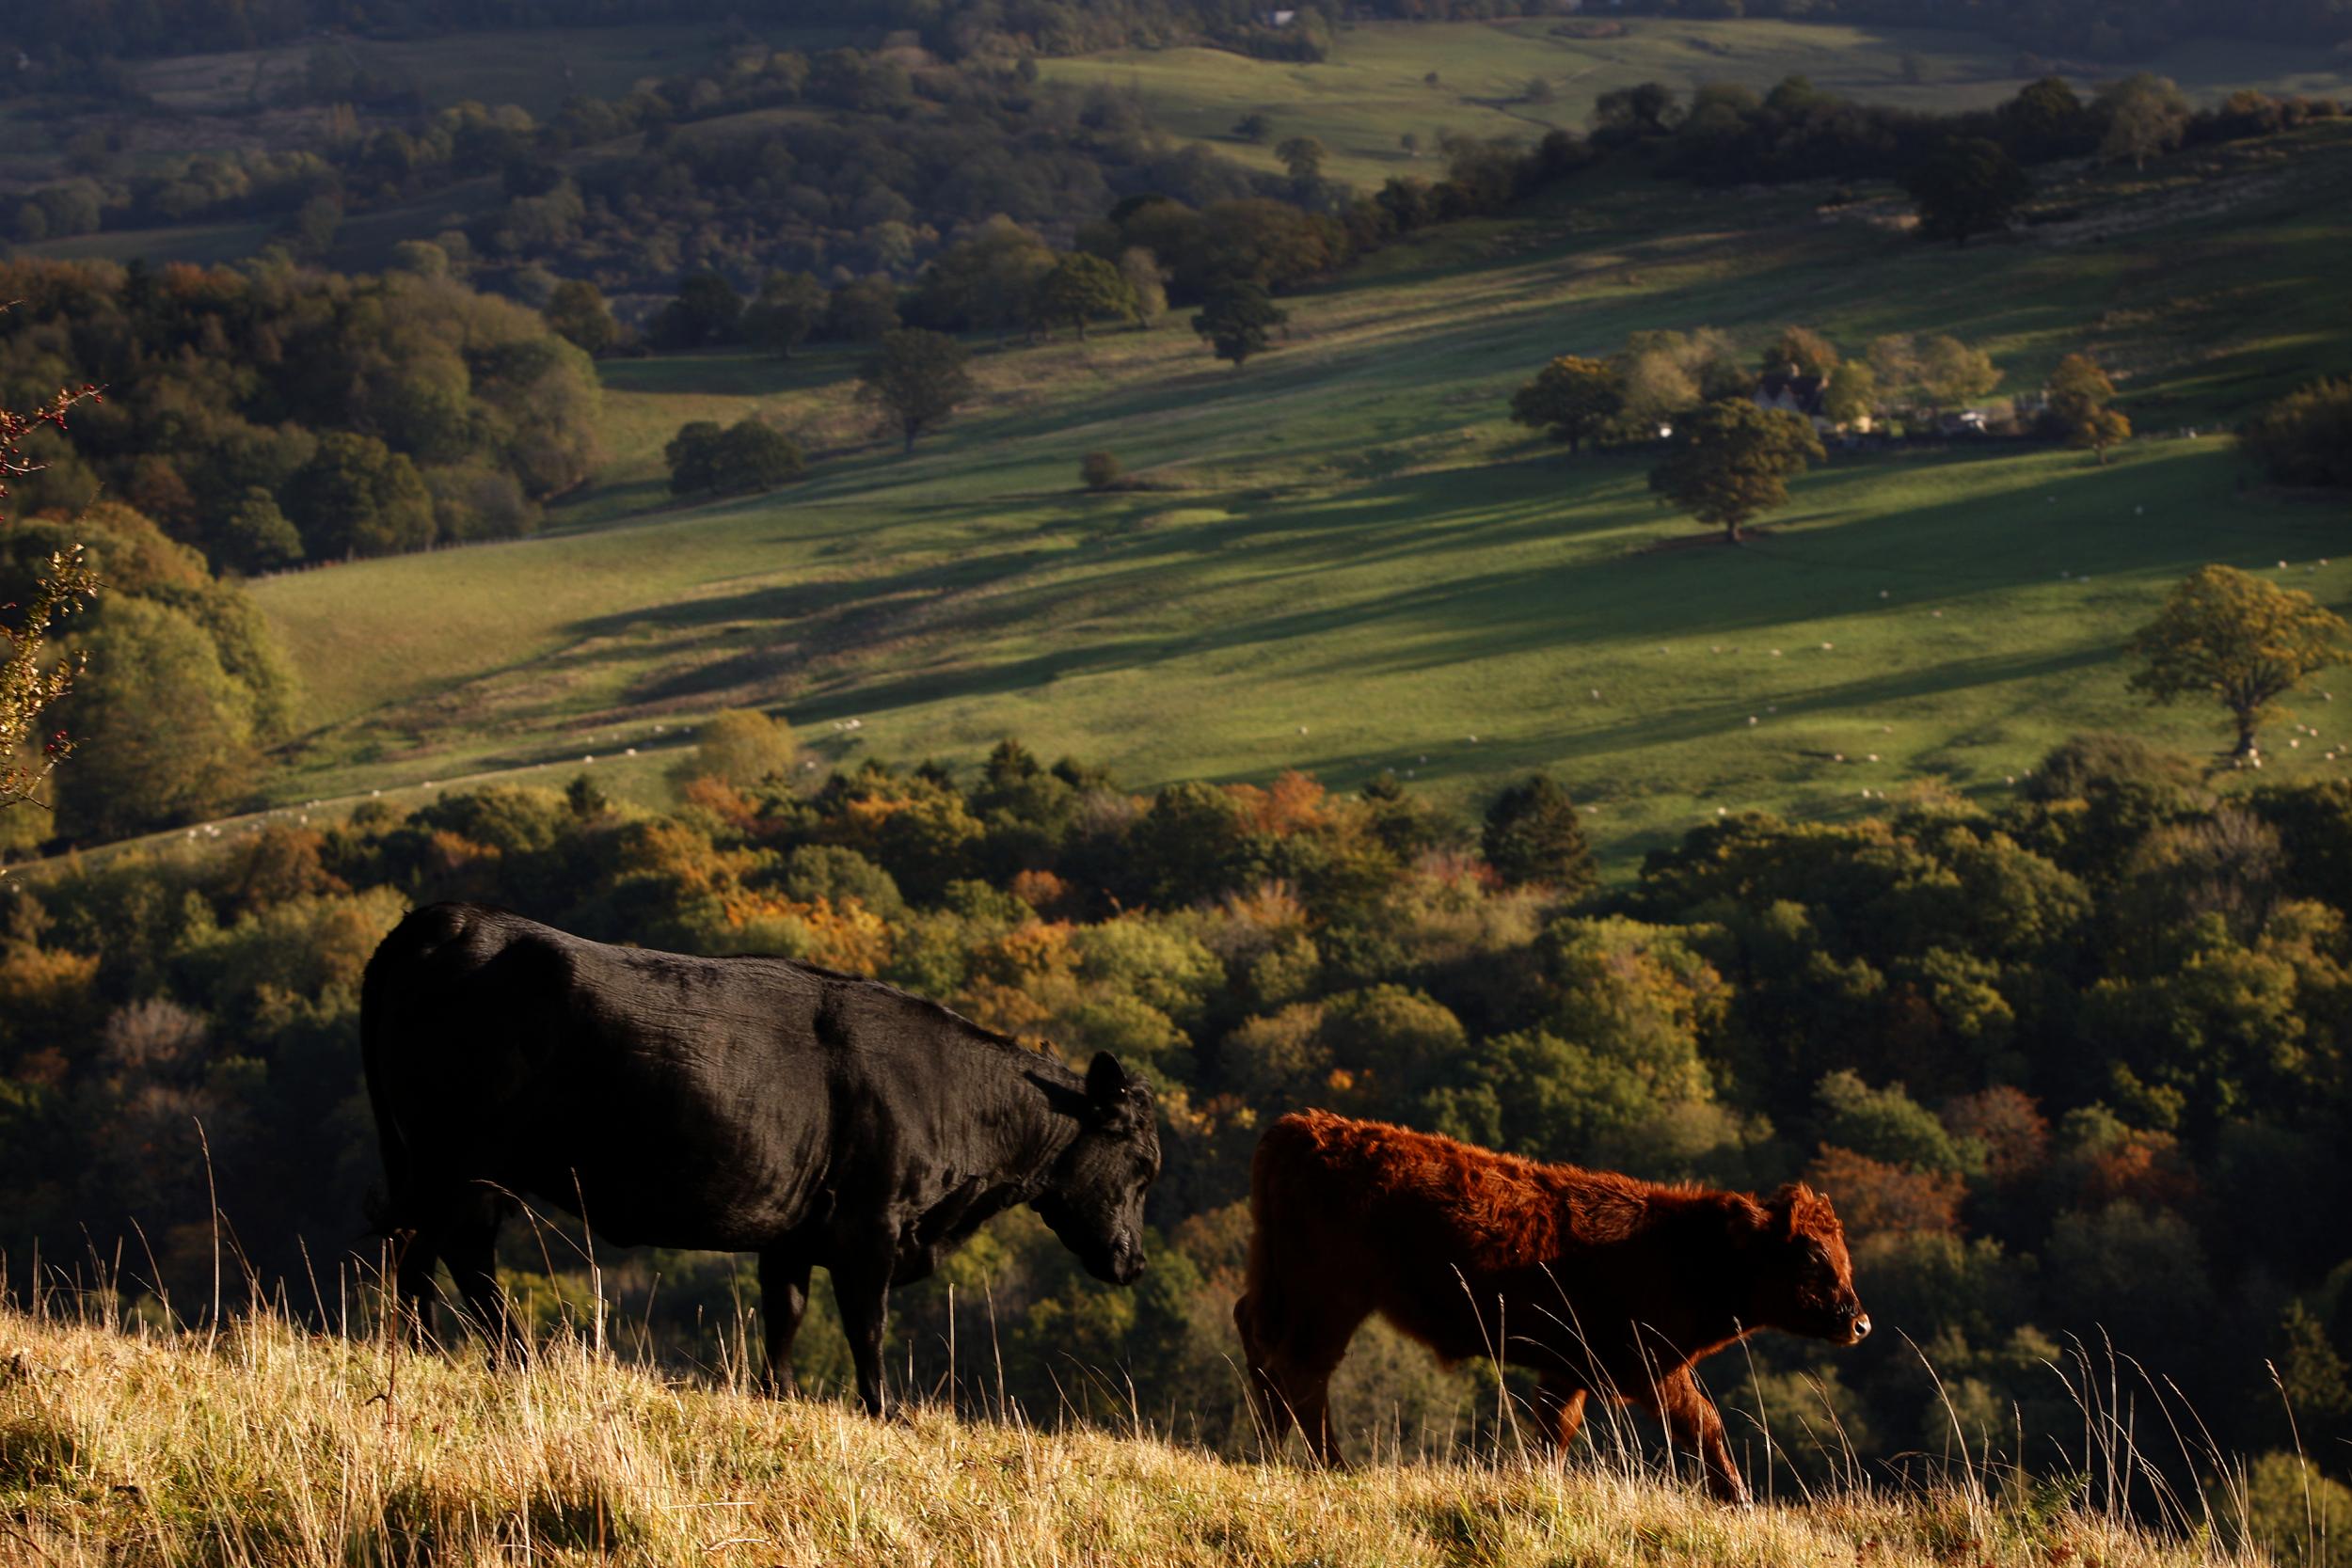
(2146, 1167)
(724, 800)
(1293, 803)
(1041, 891)
(2011, 1128)
(1874, 1196)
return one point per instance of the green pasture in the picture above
(1373, 88)
(1344, 559)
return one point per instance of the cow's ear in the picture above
(1107, 1081)
(1782, 1208)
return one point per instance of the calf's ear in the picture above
(1107, 1081)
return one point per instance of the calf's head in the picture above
(1093, 1196)
(1803, 1280)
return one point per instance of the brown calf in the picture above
(1599, 1282)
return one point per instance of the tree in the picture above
(1572, 397)
(789, 307)
(1303, 156)
(753, 456)
(916, 378)
(1253, 127)
(1079, 289)
(1852, 393)
(256, 535)
(1101, 470)
(693, 455)
(1801, 346)
(1967, 186)
(2306, 436)
(358, 496)
(32, 679)
(2244, 641)
(168, 731)
(2145, 115)
(1532, 835)
(1147, 284)
(707, 311)
(577, 312)
(739, 747)
(1952, 374)
(2079, 391)
(865, 311)
(1731, 460)
(1237, 318)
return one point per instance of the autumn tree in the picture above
(2306, 436)
(1238, 320)
(2239, 639)
(1950, 374)
(1852, 393)
(1731, 460)
(1573, 398)
(1967, 186)
(1810, 353)
(916, 378)
(739, 747)
(2079, 390)
(32, 679)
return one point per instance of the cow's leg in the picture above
(469, 1241)
(783, 1298)
(1560, 1412)
(860, 1287)
(412, 1273)
(1692, 1421)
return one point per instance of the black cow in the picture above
(733, 1104)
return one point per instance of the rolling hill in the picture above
(1344, 558)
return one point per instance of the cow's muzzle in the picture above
(1857, 1326)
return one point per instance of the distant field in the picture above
(1372, 90)
(1354, 562)
(537, 68)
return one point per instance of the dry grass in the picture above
(264, 1443)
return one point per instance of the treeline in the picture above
(2105, 30)
(268, 415)
(2045, 1054)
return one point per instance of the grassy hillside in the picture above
(265, 1445)
(1373, 88)
(1347, 559)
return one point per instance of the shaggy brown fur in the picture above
(1599, 1282)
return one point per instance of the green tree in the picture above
(753, 456)
(917, 379)
(1967, 186)
(1147, 284)
(1731, 460)
(740, 747)
(1304, 157)
(2306, 436)
(167, 732)
(577, 312)
(1253, 127)
(1852, 393)
(1238, 319)
(2244, 641)
(1950, 374)
(2145, 115)
(1079, 289)
(1533, 836)
(1802, 347)
(2079, 390)
(358, 496)
(707, 311)
(33, 679)
(256, 536)
(1573, 398)
(1101, 470)
(790, 308)
(693, 455)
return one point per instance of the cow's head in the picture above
(1093, 1198)
(1804, 1279)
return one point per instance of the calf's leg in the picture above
(783, 1299)
(470, 1242)
(1560, 1412)
(1292, 1372)
(1691, 1419)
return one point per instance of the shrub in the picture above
(1102, 470)
(2306, 436)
